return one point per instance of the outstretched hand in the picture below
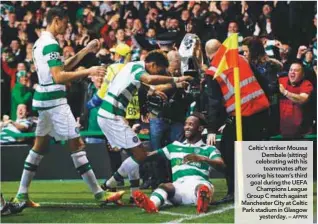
(97, 71)
(182, 85)
(185, 78)
(193, 158)
(93, 46)
(161, 94)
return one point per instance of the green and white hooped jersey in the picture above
(6, 132)
(176, 152)
(121, 90)
(47, 54)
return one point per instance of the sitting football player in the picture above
(190, 163)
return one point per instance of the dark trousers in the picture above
(163, 132)
(252, 130)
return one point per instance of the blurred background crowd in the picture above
(286, 29)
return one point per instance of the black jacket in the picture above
(216, 110)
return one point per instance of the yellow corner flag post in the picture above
(238, 114)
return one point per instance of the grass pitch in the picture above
(70, 201)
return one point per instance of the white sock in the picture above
(3, 202)
(30, 166)
(158, 197)
(111, 182)
(84, 168)
(126, 167)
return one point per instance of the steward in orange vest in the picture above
(253, 98)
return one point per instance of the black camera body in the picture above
(155, 104)
(194, 87)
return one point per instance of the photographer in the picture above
(166, 120)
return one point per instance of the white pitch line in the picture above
(173, 213)
(202, 215)
(185, 216)
(67, 203)
(96, 204)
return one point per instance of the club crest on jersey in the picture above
(135, 139)
(197, 150)
(54, 56)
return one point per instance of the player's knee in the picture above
(41, 145)
(169, 188)
(140, 155)
(76, 144)
(166, 186)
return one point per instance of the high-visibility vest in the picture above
(112, 71)
(253, 98)
(133, 110)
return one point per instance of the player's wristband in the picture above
(151, 90)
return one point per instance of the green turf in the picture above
(71, 202)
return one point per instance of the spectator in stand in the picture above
(18, 50)
(247, 18)
(92, 22)
(21, 93)
(197, 17)
(305, 57)
(185, 18)
(294, 110)
(22, 33)
(152, 18)
(121, 38)
(151, 36)
(10, 28)
(138, 27)
(271, 46)
(211, 28)
(105, 7)
(308, 61)
(11, 72)
(108, 31)
(285, 56)
(16, 126)
(68, 52)
(28, 58)
(265, 70)
(314, 39)
(233, 27)
(227, 11)
(129, 26)
(264, 23)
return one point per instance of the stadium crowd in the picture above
(286, 30)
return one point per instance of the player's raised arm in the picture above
(160, 79)
(92, 47)
(62, 77)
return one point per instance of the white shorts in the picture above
(58, 122)
(185, 191)
(118, 132)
